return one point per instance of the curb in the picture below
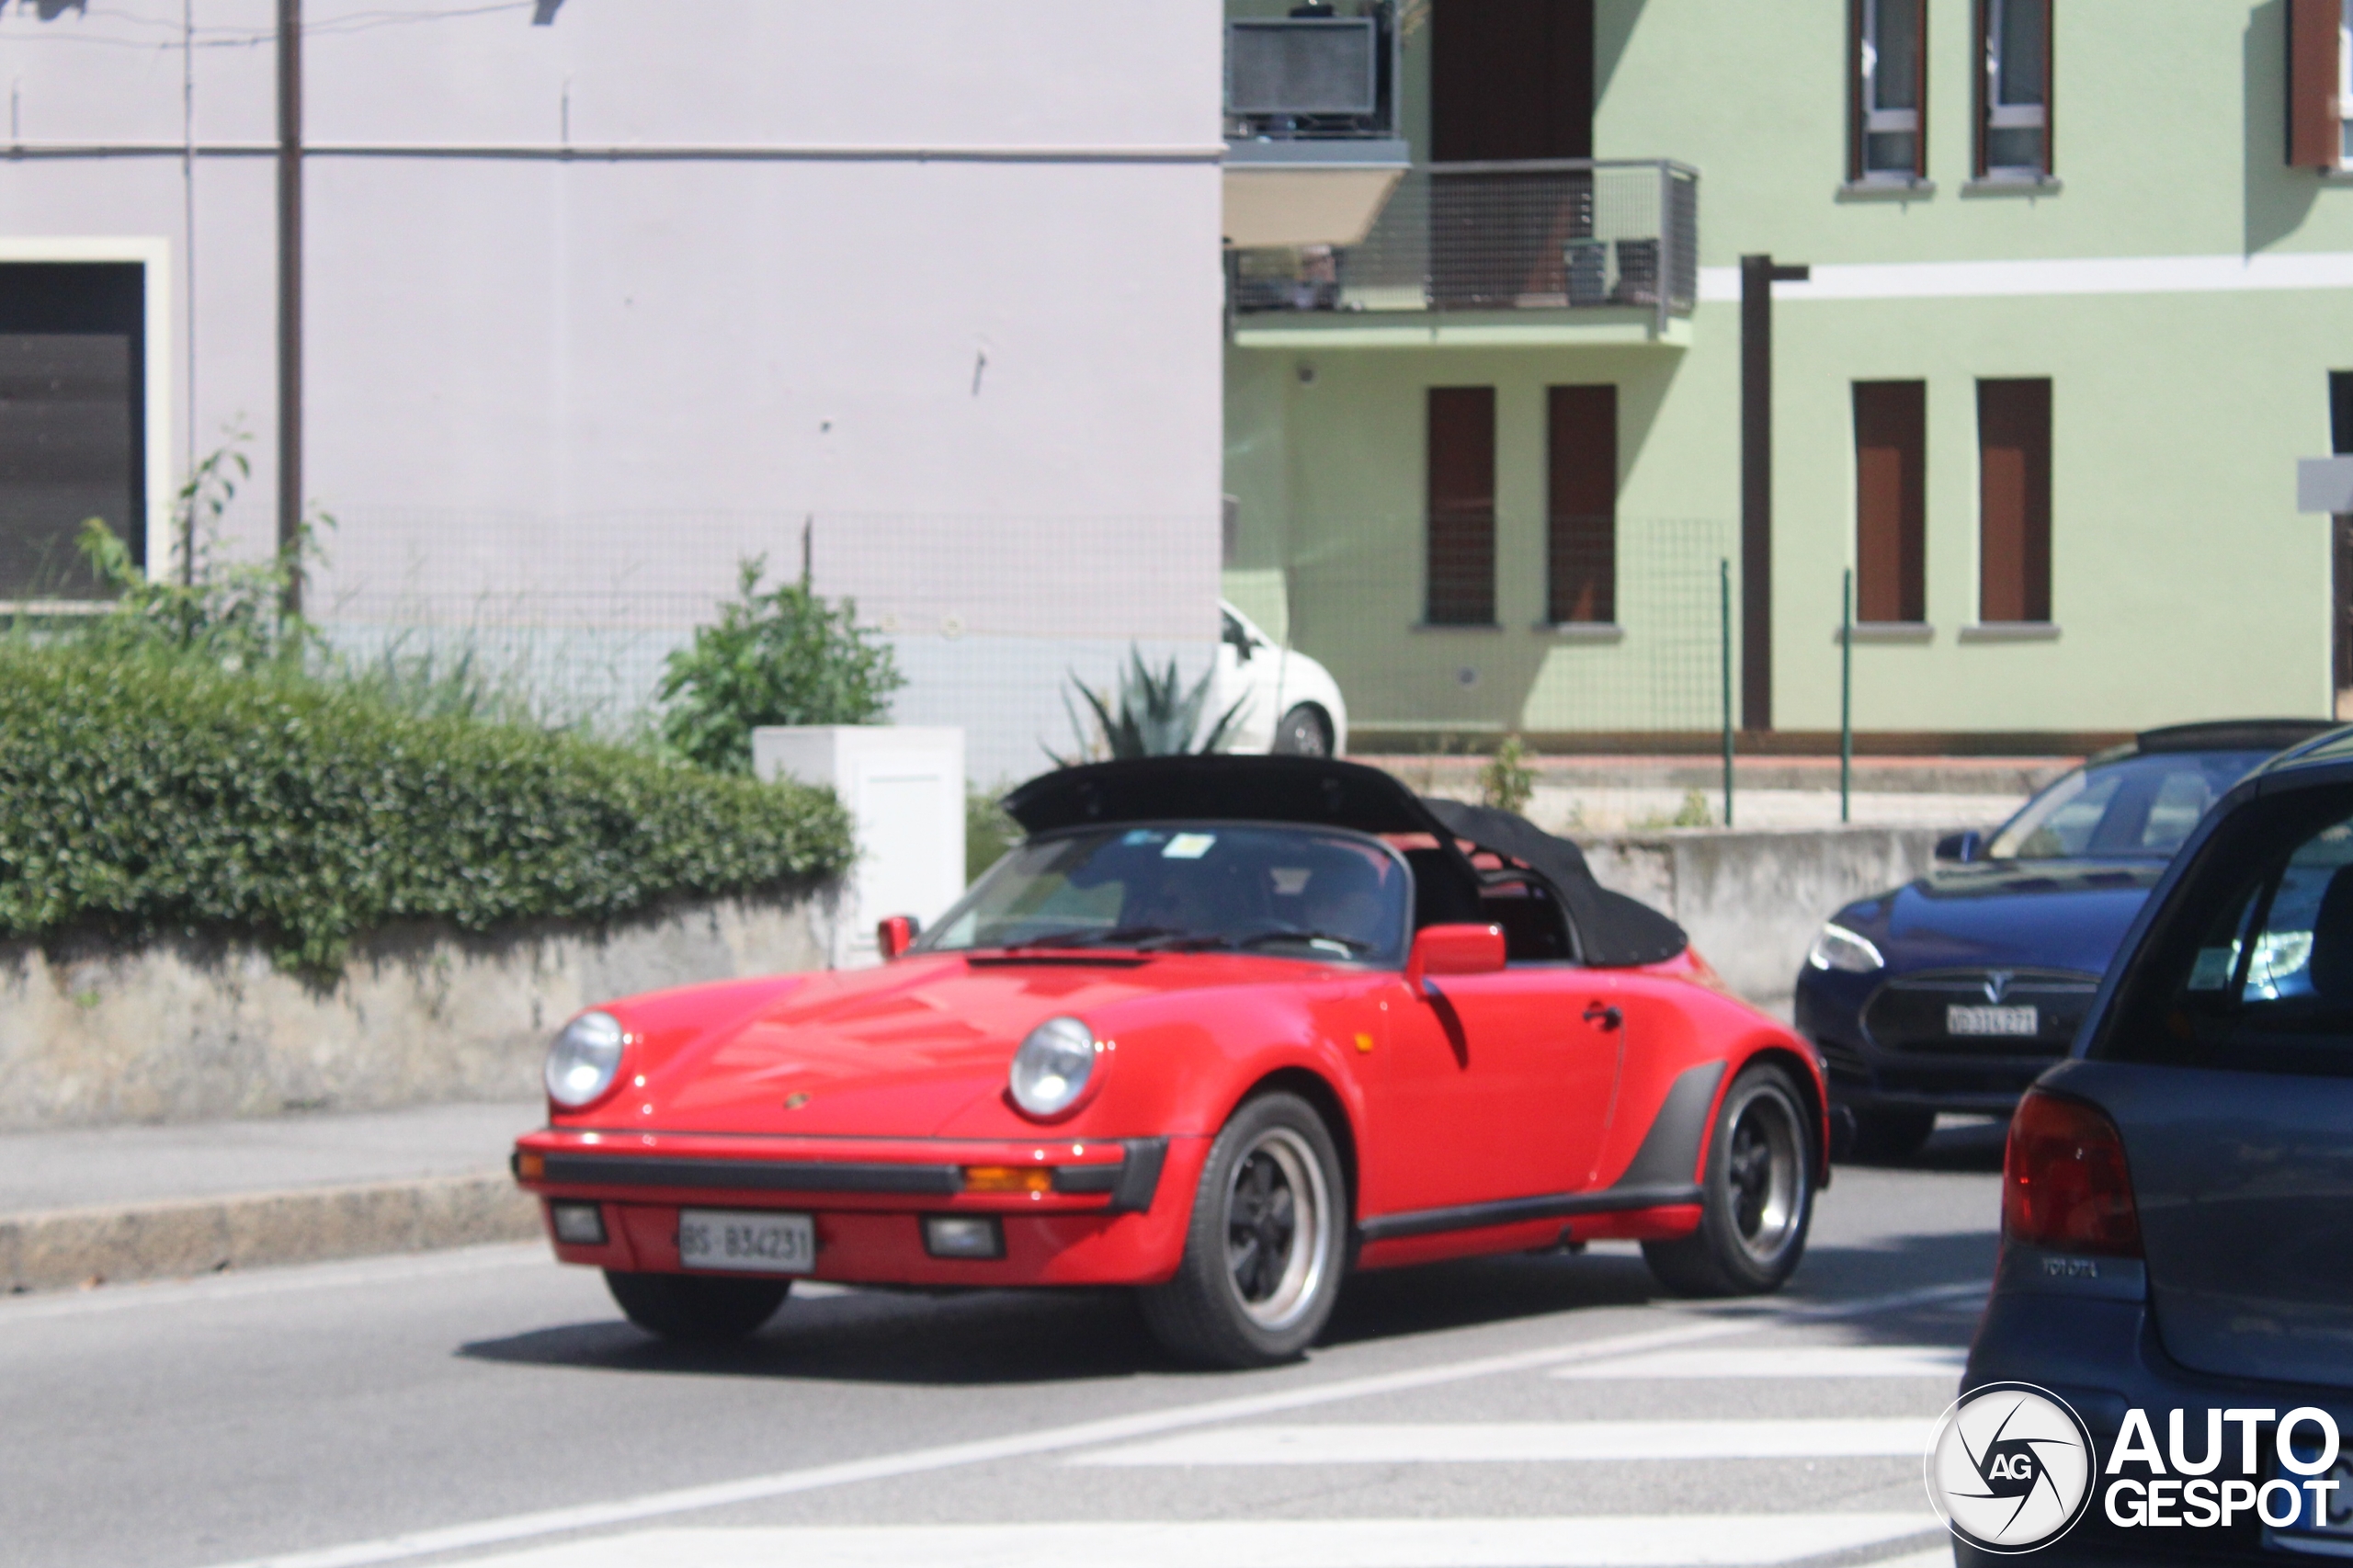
(61, 1248)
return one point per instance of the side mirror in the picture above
(1962, 848)
(1454, 949)
(896, 934)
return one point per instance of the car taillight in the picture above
(2064, 1185)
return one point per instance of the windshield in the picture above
(2135, 806)
(1295, 892)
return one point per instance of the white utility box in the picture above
(904, 789)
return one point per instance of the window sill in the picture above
(1484, 628)
(1582, 630)
(1887, 190)
(2011, 632)
(2014, 185)
(1889, 632)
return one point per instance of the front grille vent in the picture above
(1918, 1012)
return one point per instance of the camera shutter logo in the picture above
(2010, 1468)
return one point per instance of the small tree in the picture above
(785, 656)
(1507, 782)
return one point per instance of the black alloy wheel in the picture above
(1264, 1252)
(701, 1308)
(1758, 1200)
(1304, 731)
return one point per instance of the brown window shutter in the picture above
(2313, 138)
(1581, 528)
(1890, 501)
(1982, 100)
(1460, 568)
(2013, 500)
(1920, 88)
(1855, 90)
(2050, 87)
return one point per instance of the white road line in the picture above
(1942, 1362)
(1689, 1540)
(1525, 1442)
(1085, 1434)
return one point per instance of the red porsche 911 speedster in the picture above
(1223, 1028)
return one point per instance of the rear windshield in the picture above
(2135, 806)
(2250, 966)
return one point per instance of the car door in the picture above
(1496, 1086)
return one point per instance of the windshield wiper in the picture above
(1092, 937)
(1259, 938)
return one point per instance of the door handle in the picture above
(1609, 1018)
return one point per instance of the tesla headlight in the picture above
(585, 1059)
(1840, 948)
(1051, 1069)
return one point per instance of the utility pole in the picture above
(1757, 275)
(290, 298)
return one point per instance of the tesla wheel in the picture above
(1758, 1195)
(1264, 1252)
(1892, 1135)
(1304, 731)
(700, 1308)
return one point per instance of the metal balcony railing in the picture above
(1560, 234)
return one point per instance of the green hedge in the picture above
(141, 798)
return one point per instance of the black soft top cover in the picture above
(1613, 931)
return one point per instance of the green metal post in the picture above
(1846, 694)
(1723, 642)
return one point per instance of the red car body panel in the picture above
(1486, 1113)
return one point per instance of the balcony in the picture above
(1595, 240)
(1312, 143)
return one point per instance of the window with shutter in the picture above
(1581, 531)
(1890, 98)
(2014, 88)
(2316, 83)
(2014, 501)
(1890, 501)
(1460, 564)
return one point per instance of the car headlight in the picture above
(585, 1059)
(1840, 948)
(1051, 1069)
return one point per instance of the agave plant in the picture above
(1154, 716)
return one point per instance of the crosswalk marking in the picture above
(1940, 1361)
(1684, 1540)
(1507, 1442)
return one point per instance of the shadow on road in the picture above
(1037, 1336)
(1972, 1146)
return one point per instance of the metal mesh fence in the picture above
(1591, 631)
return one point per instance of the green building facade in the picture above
(2074, 309)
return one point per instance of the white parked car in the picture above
(1291, 704)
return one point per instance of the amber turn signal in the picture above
(1008, 1178)
(530, 1167)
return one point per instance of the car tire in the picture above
(1304, 731)
(1266, 1244)
(700, 1309)
(1892, 1135)
(1758, 1195)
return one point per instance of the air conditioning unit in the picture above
(1302, 67)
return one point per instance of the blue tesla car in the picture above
(2177, 1257)
(1950, 993)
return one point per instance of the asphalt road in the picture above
(488, 1406)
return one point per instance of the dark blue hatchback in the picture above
(2177, 1199)
(1950, 993)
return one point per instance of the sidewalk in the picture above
(110, 1204)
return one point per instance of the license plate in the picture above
(754, 1242)
(2328, 1529)
(2022, 1021)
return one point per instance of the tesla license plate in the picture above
(2019, 1021)
(759, 1244)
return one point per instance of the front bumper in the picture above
(1108, 1212)
(1864, 1077)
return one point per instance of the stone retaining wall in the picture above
(188, 1032)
